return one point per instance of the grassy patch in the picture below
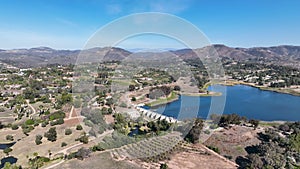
(121, 82)
(173, 96)
(239, 149)
(269, 124)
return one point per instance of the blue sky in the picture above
(68, 24)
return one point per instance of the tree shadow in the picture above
(242, 162)
(253, 149)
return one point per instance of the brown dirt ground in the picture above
(233, 141)
(73, 121)
(26, 146)
(75, 113)
(109, 119)
(203, 158)
(97, 161)
(187, 160)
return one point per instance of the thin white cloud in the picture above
(113, 9)
(66, 22)
(169, 6)
(133, 6)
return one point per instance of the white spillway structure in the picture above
(154, 115)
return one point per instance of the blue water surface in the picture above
(247, 101)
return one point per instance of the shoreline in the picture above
(263, 88)
(211, 93)
(171, 98)
(162, 101)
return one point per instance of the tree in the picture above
(14, 127)
(295, 142)
(10, 137)
(177, 88)
(38, 139)
(163, 166)
(215, 118)
(66, 98)
(63, 144)
(109, 110)
(77, 103)
(256, 162)
(157, 92)
(79, 127)
(68, 132)
(109, 102)
(82, 153)
(254, 123)
(7, 165)
(49, 153)
(131, 87)
(194, 134)
(7, 151)
(133, 99)
(227, 119)
(51, 135)
(29, 122)
(1, 125)
(83, 139)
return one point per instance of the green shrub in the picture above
(2, 109)
(68, 132)
(45, 123)
(63, 144)
(123, 105)
(7, 150)
(83, 139)
(14, 127)
(163, 166)
(51, 135)
(27, 129)
(29, 122)
(45, 159)
(215, 149)
(10, 137)
(38, 139)
(57, 115)
(206, 131)
(57, 122)
(79, 127)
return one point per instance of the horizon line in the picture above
(144, 48)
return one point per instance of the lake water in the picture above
(244, 100)
(6, 145)
(11, 160)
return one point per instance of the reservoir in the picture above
(247, 101)
(6, 145)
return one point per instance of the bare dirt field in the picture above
(7, 116)
(73, 117)
(109, 119)
(97, 161)
(187, 160)
(185, 84)
(231, 142)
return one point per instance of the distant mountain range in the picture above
(42, 56)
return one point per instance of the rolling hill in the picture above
(42, 56)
